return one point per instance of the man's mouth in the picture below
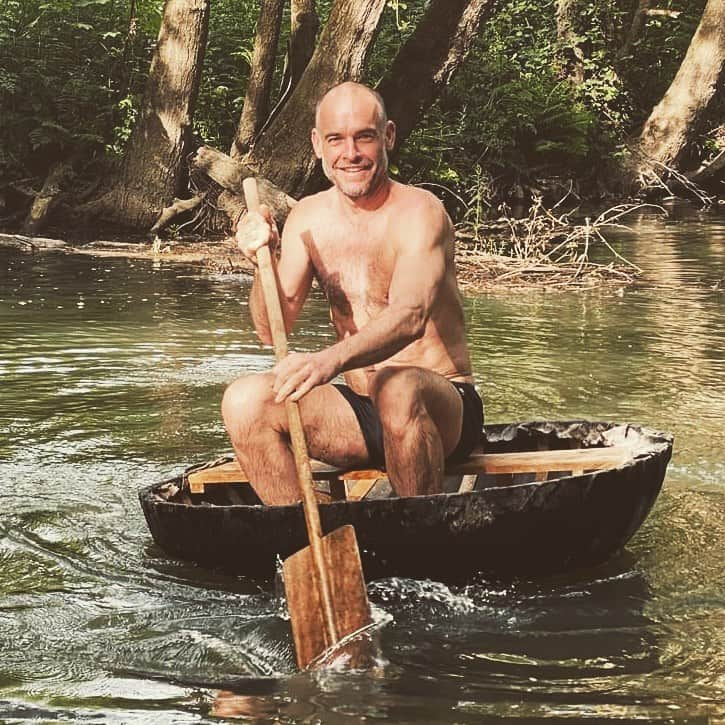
(354, 169)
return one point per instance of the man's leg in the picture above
(258, 430)
(421, 414)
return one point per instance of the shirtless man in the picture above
(383, 254)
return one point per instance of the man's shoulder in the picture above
(417, 194)
(314, 202)
(309, 208)
(415, 198)
(416, 203)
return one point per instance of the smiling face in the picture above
(352, 139)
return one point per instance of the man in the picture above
(383, 254)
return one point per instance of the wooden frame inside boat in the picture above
(358, 483)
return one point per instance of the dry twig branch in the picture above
(547, 250)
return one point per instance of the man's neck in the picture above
(372, 201)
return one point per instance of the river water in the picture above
(111, 372)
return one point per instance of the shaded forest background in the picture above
(552, 97)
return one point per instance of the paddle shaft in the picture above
(270, 291)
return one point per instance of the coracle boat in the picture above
(534, 498)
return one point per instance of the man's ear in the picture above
(316, 143)
(389, 135)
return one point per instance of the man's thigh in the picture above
(332, 429)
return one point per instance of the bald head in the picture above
(350, 94)
(352, 137)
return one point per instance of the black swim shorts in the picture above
(372, 428)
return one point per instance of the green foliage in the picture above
(226, 69)
(72, 77)
(508, 112)
(657, 55)
(64, 65)
(513, 113)
(396, 24)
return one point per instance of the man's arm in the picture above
(294, 271)
(419, 271)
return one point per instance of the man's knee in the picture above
(397, 396)
(248, 400)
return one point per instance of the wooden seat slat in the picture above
(361, 489)
(574, 459)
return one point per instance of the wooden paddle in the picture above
(323, 582)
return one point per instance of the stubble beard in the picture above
(358, 189)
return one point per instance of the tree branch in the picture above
(429, 58)
(179, 206)
(47, 198)
(229, 173)
(635, 29)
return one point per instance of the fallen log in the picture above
(47, 198)
(708, 171)
(31, 244)
(228, 174)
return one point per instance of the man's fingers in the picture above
(266, 213)
(283, 369)
(295, 376)
(292, 383)
(303, 389)
(256, 231)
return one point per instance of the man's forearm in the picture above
(258, 310)
(381, 338)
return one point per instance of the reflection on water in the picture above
(111, 374)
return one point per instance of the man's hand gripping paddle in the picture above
(323, 582)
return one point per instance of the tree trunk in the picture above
(256, 102)
(300, 48)
(283, 153)
(674, 122)
(567, 17)
(427, 61)
(152, 172)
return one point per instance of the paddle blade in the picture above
(347, 591)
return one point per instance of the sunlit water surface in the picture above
(111, 373)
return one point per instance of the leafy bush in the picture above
(511, 117)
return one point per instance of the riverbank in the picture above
(478, 270)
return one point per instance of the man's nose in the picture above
(351, 150)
